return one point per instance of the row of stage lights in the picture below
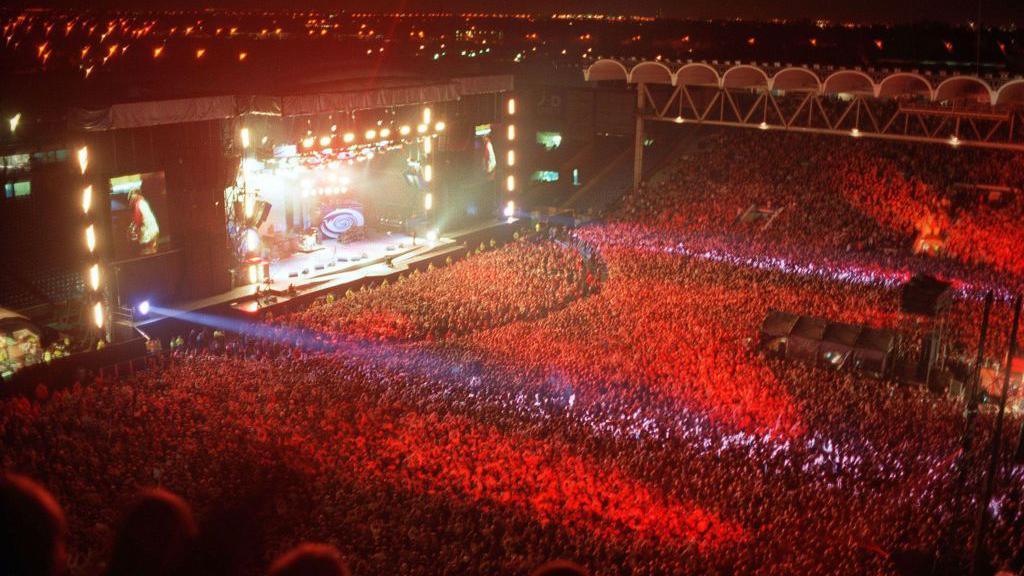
(372, 136)
(93, 275)
(510, 159)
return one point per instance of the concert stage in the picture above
(386, 257)
(333, 256)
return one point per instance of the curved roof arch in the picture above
(905, 84)
(651, 72)
(963, 87)
(851, 81)
(1010, 93)
(796, 78)
(698, 74)
(606, 69)
(745, 76)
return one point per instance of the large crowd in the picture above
(513, 407)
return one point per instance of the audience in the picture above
(595, 394)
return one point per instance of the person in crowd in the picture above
(156, 536)
(32, 529)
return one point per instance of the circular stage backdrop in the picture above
(341, 220)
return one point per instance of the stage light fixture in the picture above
(308, 142)
(14, 121)
(421, 129)
(90, 238)
(511, 106)
(349, 138)
(855, 133)
(385, 132)
(511, 158)
(252, 240)
(94, 276)
(428, 146)
(440, 126)
(370, 134)
(86, 199)
(511, 132)
(428, 173)
(404, 130)
(325, 141)
(144, 308)
(97, 314)
(245, 138)
(83, 158)
(510, 183)
(426, 115)
(428, 201)
(510, 209)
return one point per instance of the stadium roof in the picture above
(348, 97)
(936, 87)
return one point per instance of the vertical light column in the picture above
(94, 268)
(428, 170)
(252, 238)
(510, 158)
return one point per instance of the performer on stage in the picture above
(144, 229)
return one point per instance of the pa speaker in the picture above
(926, 295)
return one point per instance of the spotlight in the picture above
(144, 308)
(422, 128)
(349, 137)
(439, 127)
(428, 201)
(252, 240)
(404, 130)
(385, 132)
(97, 314)
(86, 199)
(83, 158)
(371, 134)
(245, 138)
(325, 141)
(94, 276)
(90, 238)
(14, 121)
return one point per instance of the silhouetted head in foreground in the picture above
(156, 536)
(32, 529)
(310, 560)
(560, 568)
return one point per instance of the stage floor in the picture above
(334, 256)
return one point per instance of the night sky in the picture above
(992, 11)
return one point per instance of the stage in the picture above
(386, 256)
(335, 256)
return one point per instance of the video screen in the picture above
(138, 206)
(485, 149)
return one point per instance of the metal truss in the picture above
(857, 115)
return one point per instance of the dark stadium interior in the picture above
(611, 289)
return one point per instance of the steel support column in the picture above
(638, 138)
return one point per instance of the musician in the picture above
(143, 229)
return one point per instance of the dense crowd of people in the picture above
(514, 407)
